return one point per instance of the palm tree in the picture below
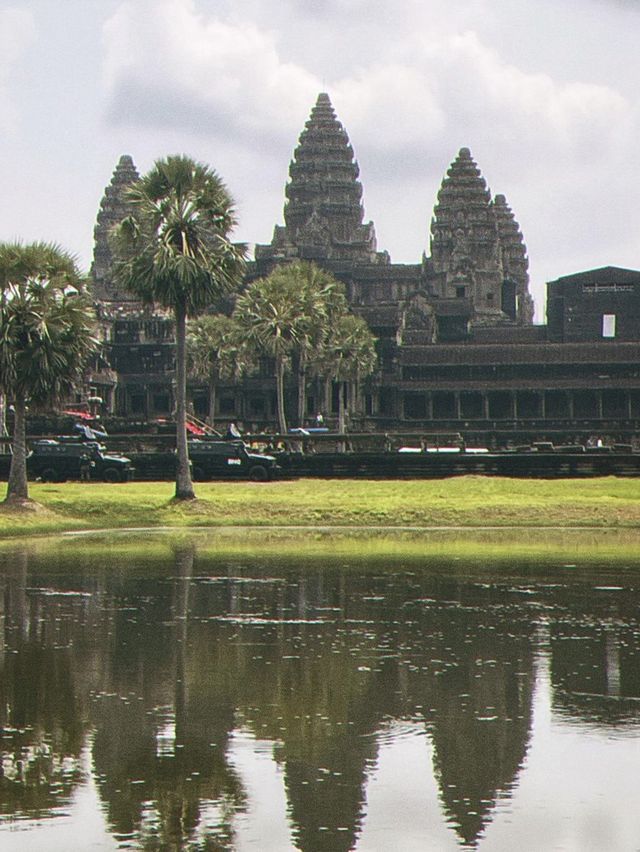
(348, 356)
(272, 313)
(216, 349)
(174, 250)
(46, 337)
(324, 299)
(287, 315)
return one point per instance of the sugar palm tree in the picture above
(287, 315)
(216, 349)
(324, 299)
(46, 337)
(174, 250)
(272, 313)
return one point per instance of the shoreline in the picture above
(458, 503)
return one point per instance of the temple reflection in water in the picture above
(146, 676)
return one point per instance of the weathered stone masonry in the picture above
(458, 348)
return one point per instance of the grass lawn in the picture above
(470, 501)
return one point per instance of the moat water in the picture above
(166, 694)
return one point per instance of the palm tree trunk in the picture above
(342, 411)
(3, 415)
(327, 386)
(302, 388)
(184, 486)
(4, 446)
(17, 487)
(342, 407)
(212, 397)
(282, 419)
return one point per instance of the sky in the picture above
(545, 93)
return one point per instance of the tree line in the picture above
(173, 250)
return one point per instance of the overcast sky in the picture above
(545, 93)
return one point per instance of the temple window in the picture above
(608, 325)
(161, 403)
(415, 406)
(137, 403)
(385, 401)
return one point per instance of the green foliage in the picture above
(301, 311)
(46, 323)
(284, 314)
(349, 352)
(216, 347)
(174, 248)
(290, 309)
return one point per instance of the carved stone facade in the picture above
(113, 208)
(457, 347)
(323, 214)
(477, 249)
(517, 302)
(138, 341)
(478, 257)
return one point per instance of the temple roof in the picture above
(604, 274)
(323, 161)
(511, 238)
(462, 188)
(464, 231)
(541, 352)
(323, 212)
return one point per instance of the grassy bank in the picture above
(465, 501)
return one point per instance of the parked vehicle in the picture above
(224, 459)
(209, 460)
(56, 460)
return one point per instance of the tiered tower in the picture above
(113, 208)
(515, 264)
(138, 340)
(323, 213)
(465, 244)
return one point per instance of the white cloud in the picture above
(17, 31)
(178, 67)
(204, 74)
(412, 81)
(456, 87)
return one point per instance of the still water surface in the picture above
(165, 695)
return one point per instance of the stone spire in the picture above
(323, 213)
(465, 246)
(515, 262)
(113, 208)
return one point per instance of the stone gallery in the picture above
(458, 350)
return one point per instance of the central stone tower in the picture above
(323, 213)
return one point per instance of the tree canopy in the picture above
(300, 312)
(175, 250)
(216, 350)
(46, 336)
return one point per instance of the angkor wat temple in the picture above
(457, 344)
